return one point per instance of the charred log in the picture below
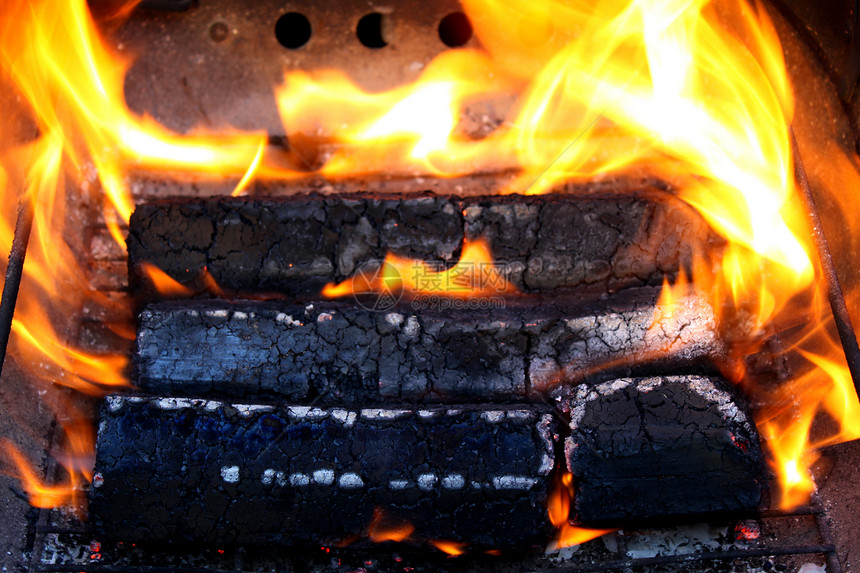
(180, 470)
(295, 245)
(646, 448)
(340, 353)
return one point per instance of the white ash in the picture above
(230, 474)
(115, 403)
(268, 477)
(493, 416)
(453, 481)
(544, 431)
(514, 482)
(383, 414)
(287, 319)
(412, 328)
(345, 417)
(323, 477)
(398, 484)
(394, 318)
(350, 480)
(701, 385)
(426, 482)
(306, 412)
(174, 403)
(246, 410)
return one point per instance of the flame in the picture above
(474, 276)
(380, 530)
(416, 124)
(558, 509)
(452, 548)
(78, 136)
(77, 460)
(40, 494)
(691, 92)
(163, 283)
(787, 423)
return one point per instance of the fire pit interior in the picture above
(464, 285)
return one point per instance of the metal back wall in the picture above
(217, 62)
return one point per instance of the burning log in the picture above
(296, 245)
(340, 353)
(180, 470)
(645, 448)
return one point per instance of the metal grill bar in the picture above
(699, 557)
(825, 548)
(14, 271)
(835, 295)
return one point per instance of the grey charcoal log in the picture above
(338, 353)
(182, 470)
(645, 448)
(295, 245)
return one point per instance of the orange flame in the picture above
(452, 548)
(474, 276)
(558, 510)
(163, 283)
(379, 531)
(40, 494)
(77, 461)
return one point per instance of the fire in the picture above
(164, 283)
(380, 530)
(452, 548)
(77, 461)
(692, 92)
(558, 510)
(83, 140)
(474, 276)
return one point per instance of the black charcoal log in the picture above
(648, 448)
(343, 354)
(295, 245)
(184, 470)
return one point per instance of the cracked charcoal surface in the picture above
(179, 470)
(644, 448)
(340, 354)
(295, 245)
